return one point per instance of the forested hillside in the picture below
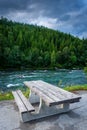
(29, 46)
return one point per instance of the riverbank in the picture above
(76, 89)
(9, 96)
(39, 68)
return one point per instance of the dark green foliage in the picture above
(30, 46)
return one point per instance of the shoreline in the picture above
(74, 89)
(46, 68)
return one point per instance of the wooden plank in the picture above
(62, 94)
(19, 102)
(45, 98)
(56, 89)
(58, 95)
(45, 91)
(27, 104)
(49, 101)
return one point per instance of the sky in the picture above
(69, 16)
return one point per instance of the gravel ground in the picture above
(76, 119)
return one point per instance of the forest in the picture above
(33, 47)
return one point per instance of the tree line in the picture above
(32, 46)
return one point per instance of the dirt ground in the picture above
(75, 119)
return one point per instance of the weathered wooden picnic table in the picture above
(44, 100)
(52, 99)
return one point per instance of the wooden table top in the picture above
(51, 94)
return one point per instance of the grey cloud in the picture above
(65, 17)
(80, 22)
(61, 10)
(56, 8)
(53, 8)
(7, 6)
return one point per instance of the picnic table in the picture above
(45, 100)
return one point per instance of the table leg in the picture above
(52, 110)
(66, 106)
(34, 98)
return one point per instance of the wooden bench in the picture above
(23, 104)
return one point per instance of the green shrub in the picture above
(9, 96)
(6, 96)
(76, 87)
(85, 69)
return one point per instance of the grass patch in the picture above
(26, 92)
(9, 96)
(6, 96)
(76, 87)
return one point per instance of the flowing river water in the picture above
(11, 80)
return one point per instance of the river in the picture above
(11, 80)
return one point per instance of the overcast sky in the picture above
(65, 15)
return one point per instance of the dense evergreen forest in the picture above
(31, 46)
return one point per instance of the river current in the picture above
(11, 80)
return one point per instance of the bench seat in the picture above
(22, 102)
